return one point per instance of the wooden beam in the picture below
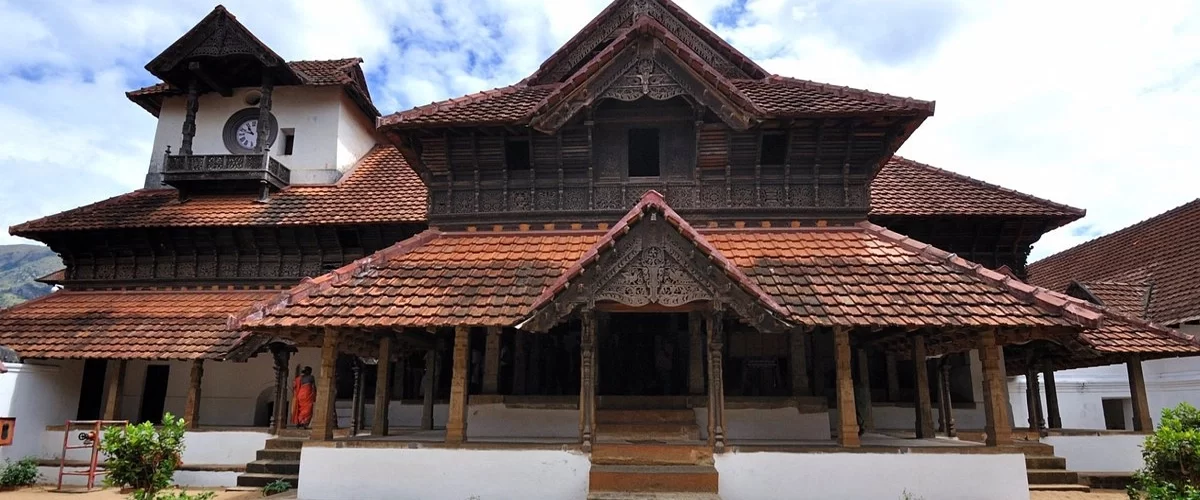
(116, 390)
(924, 413)
(191, 409)
(1137, 391)
(995, 404)
(491, 361)
(323, 420)
(798, 362)
(383, 388)
(456, 422)
(847, 417)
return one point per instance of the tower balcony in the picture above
(225, 172)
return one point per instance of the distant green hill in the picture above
(20, 265)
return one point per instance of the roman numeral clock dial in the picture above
(247, 134)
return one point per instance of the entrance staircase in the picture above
(280, 460)
(650, 454)
(1047, 472)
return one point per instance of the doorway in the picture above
(91, 389)
(154, 393)
(644, 354)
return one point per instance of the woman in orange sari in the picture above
(304, 396)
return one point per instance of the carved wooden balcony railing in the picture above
(212, 171)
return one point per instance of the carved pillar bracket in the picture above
(924, 410)
(324, 417)
(191, 410)
(456, 422)
(715, 321)
(798, 358)
(281, 355)
(1137, 390)
(383, 390)
(995, 409)
(847, 416)
(587, 385)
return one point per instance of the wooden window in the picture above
(643, 152)
(516, 154)
(773, 150)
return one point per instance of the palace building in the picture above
(650, 266)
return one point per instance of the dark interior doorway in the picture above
(91, 389)
(154, 393)
(644, 354)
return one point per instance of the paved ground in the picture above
(1070, 495)
(45, 493)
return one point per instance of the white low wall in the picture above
(183, 478)
(497, 420)
(433, 474)
(854, 476)
(1108, 453)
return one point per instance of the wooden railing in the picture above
(225, 167)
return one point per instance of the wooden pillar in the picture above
(356, 397)
(818, 363)
(1052, 414)
(862, 393)
(847, 416)
(945, 402)
(191, 409)
(715, 322)
(924, 411)
(264, 113)
(1033, 399)
(323, 420)
(383, 390)
(893, 378)
(1137, 391)
(456, 423)
(995, 400)
(189, 118)
(798, 359)
(116, 391)
(428, 387)
(399, 374)
(696, 353)
(587, 384)
(491, 361)
(520, 364)
(281, 355)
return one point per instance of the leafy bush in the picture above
(20, 473)
(1172, 458)
(183, 495)
(275, 487)
(144, 457)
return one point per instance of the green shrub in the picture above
(20, 473)
(144, 457)
(1172, 458)
(183, 495)
(275, 487)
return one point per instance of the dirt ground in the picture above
(1071, 495)
(47, 493)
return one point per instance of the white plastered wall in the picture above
(331, 132)
(38, 394)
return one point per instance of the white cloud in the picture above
(1095, 107)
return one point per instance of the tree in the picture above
(1172, 458)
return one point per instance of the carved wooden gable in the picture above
(645, 69)
(219, 35)
(654, 265)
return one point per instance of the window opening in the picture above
(643, 152)
(773, 150)
(289, 140)
(516, 154)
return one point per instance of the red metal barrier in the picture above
(91, 432)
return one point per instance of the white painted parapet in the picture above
(1099, 453)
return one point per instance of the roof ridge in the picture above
(1149, 221)
(1088, 315)
(844, 90)
(990, 185)
(310, 286)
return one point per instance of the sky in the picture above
(1091, 104)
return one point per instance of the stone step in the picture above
(653, 479)
(276, 467)
(1052, 476)
(645, 417)
(1045, 462)
(1060, 487)
(655, 432)
(1106, 480)
(258, 480)
(278, 454)
(285, 443)
(651, 454)
(626, 495)
(1035, 449)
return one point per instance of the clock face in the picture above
(247, 133)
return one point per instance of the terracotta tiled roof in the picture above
(907, 188)
(382, 189)
(126, 324)
(1127, 298)
(1163, 251)
(346, 72)
(781, 96)
(54, 278)
(504, 105)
